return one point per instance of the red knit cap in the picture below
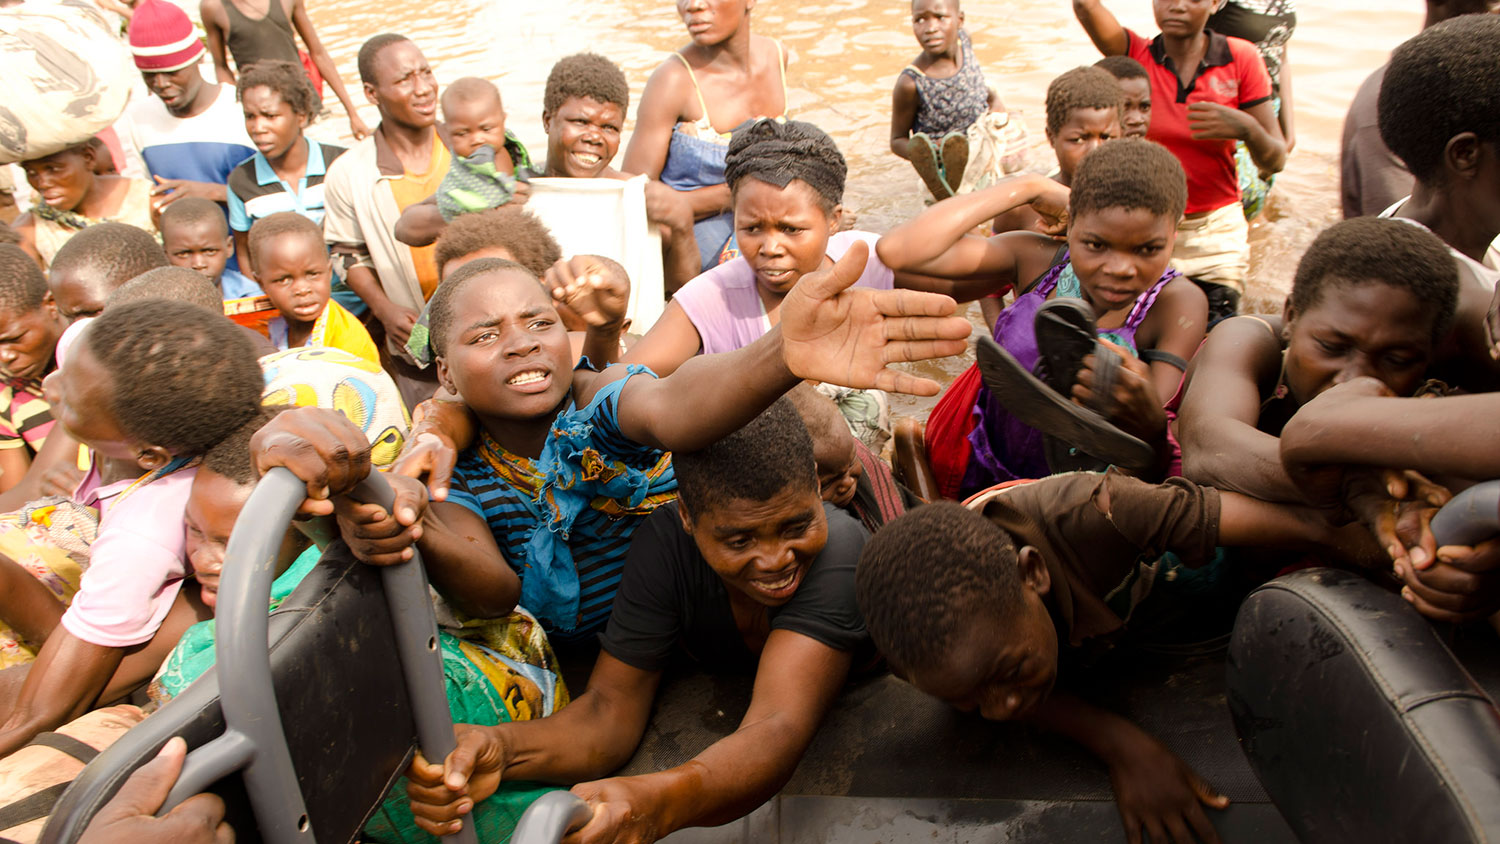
(162, 37)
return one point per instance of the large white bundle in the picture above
(67, 75)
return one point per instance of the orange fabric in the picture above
(948, 428)
(412, 188)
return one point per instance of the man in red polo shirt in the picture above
(1207, 91)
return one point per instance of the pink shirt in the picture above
(725, 307)
(136, 564)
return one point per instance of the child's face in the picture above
(474, 123)
(62, 179)
(1182, 18)
(1002, 666)
(1356, 330)
(199, 246)
(81, 394)
(711, 22)
(271, 124)
(1082, 133)
(838, 466)
(582, 136)
(78, 294)
(294, 271)
(1135, 113)
(936, 24)
(782, 232)
(27, 341)
(762, 548)
(213, 505)
(507, 352)
(1118, 253)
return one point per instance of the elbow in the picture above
(1200, 464)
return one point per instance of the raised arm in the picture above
(903, 114)
(326, 67)
(1221, 446)
(1288, 114)
(1102, 26)
(829, 331)
(938, 241)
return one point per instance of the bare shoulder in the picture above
(212, 11)
(1241, 348)
(1180, 305)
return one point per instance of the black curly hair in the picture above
(923, 575)
(586, 75)
(115, 252)
(509, 227)
(771, 453)
(177, 283)
(370, 51)
(287, 79)
(182, 378)
(1122, 67)
(1081, 87)
(1441, 83)
(777, 153)
(279, 224)
(22, 285)
(440, 311)
(1129, 173)
(1367, 250)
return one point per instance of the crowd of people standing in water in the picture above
(596, 499)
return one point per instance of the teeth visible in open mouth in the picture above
(588, 159)
(773, 585)
(529, 377)
(776, 275)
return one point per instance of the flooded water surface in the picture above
(846, 55)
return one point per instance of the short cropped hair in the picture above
(1122, 67)
(586, 75)
(369, 52)
(287, 79)
(509, 227)
(176, 283)
(1441, 83)
(182, 378)
(231, 456)
(191, 211)
(279, 224)
(469, 89)
(777, 153)
(922, 577)
(116, 251)
(22, 285)
(771, 453)
(1366, 250)
(1129, 173)
(8, 234)
(1081, 87)
(440, 313)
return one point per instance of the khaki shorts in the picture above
(1214, 247)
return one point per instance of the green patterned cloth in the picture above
(475, 183)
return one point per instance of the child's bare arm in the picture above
(212, 14)
(903, 114)
(1360, 423)
(326, 67)
(1221, 446)
(1154, 789)
(421, 224)
(1102, 26)
(63, 683)
(938, 242)
(671, 341)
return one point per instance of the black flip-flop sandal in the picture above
(924, 157)
(1035, 403)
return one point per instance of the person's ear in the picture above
(685, 517)
(445, 377)
(304, 121)
(547, 122)
(89, 158)
(229, 245)
(1462, 153)
(1288, 316)
(370, 96)
(960, 17)
(836, 218)
(1034, 569)
(152, 457)
(49, 306)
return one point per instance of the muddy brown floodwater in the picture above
(846, 54)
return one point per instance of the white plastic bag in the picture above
(67, 75)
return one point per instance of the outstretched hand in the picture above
(832, 331)
(1157, 792)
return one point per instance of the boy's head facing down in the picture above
(196, 236)
(509, 232)
(500, 344)
(1135, 92)
(837, 459)
(583, 113)
(787, 181)
(936, 23)
(1440, 112)
(1126, 200)
(177, 283)
(959, 612)
(29, 325)
(97, 260)
(750, 502)
(153, 380)
(278, 102)
(1083, 111)
(63, 178)
(1371, 297)
(474, 114)
(292, 265)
